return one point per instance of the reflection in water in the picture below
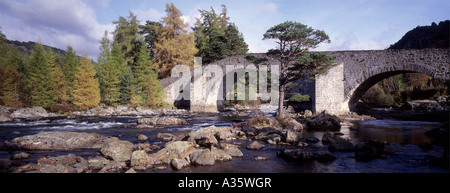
(393, 131)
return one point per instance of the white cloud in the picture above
(351, 42)
(149, 14)
(190, 19)
(54, 22)
(269, 8)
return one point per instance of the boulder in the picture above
(220, 155)
(165, 136)
(341, 146)
(255, 146)
(63, 164)
(141, 137)
(296, 155)
(324, 122)
(330, 138)
(113, 167)
(5, 117)
(60, 141)
(324, 157)
(419, 105)
(21, 155)
(202, 157)
(29, 113)
(312, 140)
(369, 150)
(177, 149)
(207, 136)
(179, 164)
(141, 158)
(292, 124)
(117, 150)
(97, 162)
(161, 121)
(232, 150)
(292, 136)
(327, 138)
(261, 122)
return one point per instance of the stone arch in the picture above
(376, 76)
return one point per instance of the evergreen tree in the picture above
(10, 79)
(9, 87)
(86, 92)
(105, 53)
(294, 40)
(41, 79)
(69, 68)
(216, 37)
(150, 32)
(235, 41)
(112, 72)
(175, 45)
(148, 88)
(126, 86)
(126, 35)
(62, 88)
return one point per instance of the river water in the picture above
(403, 139)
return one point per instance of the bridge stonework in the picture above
(352, 74)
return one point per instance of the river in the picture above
(402, 137)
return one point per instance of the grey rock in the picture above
(161, 121)
(21, 155)
(179, 164)
(232, 150)
(341, 146)
(117, 150)
(296, 155)
(202, 158)
(255, 146)
(60, 141)
(312, 139)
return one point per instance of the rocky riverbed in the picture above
(202, 143)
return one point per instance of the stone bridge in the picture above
(351, 75)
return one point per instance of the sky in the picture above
(351, 24)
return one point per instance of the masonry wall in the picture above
(330, 91)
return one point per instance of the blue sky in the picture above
(351, 24)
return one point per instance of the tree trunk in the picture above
(281, 102)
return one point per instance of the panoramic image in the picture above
(271, 86)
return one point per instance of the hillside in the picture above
(434, 36)
(27, 47)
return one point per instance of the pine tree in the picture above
(175, 45)
(10, 79)
(216, 37)
(86, 92)
(126, 86)
(112, 72)
(235, 41)
(62, 88)
(126, 35)
(41, 79)
(150, 32)
(69, 68)
(148, 88)
(105, 54)
(10, 86)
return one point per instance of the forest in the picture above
(127, 70)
